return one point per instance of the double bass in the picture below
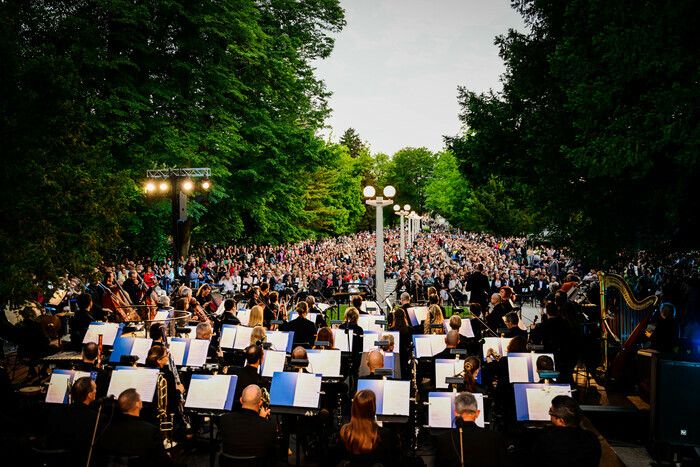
(116, 300)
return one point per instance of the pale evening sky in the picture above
(396, 66)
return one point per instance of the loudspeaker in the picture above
(675, 408)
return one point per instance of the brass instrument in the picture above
(165, 419)
(265, 397)
(625, 327)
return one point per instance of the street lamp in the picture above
(402, 213)
(413, 226)
(379, 202)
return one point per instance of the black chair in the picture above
(229, 460)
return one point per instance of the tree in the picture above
(352, 141)
(596, 130)
(409, 171)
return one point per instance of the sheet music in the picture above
(368, 340)
(161, 315)
(309, 316)
(420, 312)
(278, 339)
(323, 306)
(242, 339)
(177, 350)
(368, 323)
(504, 345)
(324, 362)
(498, 344)
(273, 361)
(208, 393)
(108, 331)
(197, 355)
(396, 397)
(518, 370)
(307, 390)
(440, 411)
(228, 334)
(59, 385)
(243, 316)
(466, 328)
(141, 347)
(446, 368)
(539, 400)
(142, 379)
(341, 340)
(422, 347)
(437, 343)
(480, 405)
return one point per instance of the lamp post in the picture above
(402, 213)
(179, 182)
(379, 202)
(413, 226)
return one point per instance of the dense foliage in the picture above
(597, 131)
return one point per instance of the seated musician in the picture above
(545, 363)
(249, 374)
(271, 311)
(451, 342)
(362, 441)
(258, 336)
(88, 360)
(472, 367)
(435, 316)
(298, 353)
(375, 359)
(664, 336)
(157, 334)
(566, 443)
(248, 432)
(513, 330)
(389, 346)
(356, 302)
(304, 330)
(81, 320)
(128, 436)
(229, 316)
(557, 337)
(325, 335)
(203, 295)
(159, 357)
(256, 316)
(70, 427)
(313, 308)
(214, 353)
(479, 447)
(455, 324)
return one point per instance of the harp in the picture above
(625, 326)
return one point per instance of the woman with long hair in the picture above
(362, 441)
(472, 366)
(401, 325)
(256, 316)
(435, 316)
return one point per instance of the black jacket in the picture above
(70, 427)
(246, 376)
(245, 433)
(481, 447)
(567, 446)
(304, 331)
(129, 436)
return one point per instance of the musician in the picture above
(478, 283)
(264, 293)
(356, 302)
(113, 300)
(451, 342)
(494, 319)
(159, 357)
(203, 295)
(325, 335)
(157, 334)
(557, 337)
(134, 288)
(214, 353)
(455, 324)
(375, 359)
(80, 322)
(362, 441)
(664, 336)
(435, 316)
(400, 324)
(271, 311)
(304, 330)
(258, 336)
(544, 363)
(513, 330)
(129, 436)
(313, 308)
(254, 297)
(249, 374)
(472, 368)
(229, 315)
(541, 288)
(256, 316)
(70, 426)
(566, 443)
(479, 447)
(248, 432)
(298, 353)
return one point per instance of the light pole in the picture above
(379, 202)
(177, 181)
(402, 213)
(413, 226)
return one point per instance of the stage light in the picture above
(150, 187)
(406, 207)
(369, 192)
(389, 191)
(206, 184)
(187, 185)
(164, 186)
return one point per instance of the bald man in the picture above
(375, 359)
(248, 432)
(451, 342)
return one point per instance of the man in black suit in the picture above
(479, 447)
(566, 443)
(451, 342)
(129, 436)
(82, 319)
(512, 321)
(249, 374)
(248, 432)
(304, 330)
(478, 283)
(70, 427)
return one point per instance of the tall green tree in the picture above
(352, 141)
(409, 172)
(596, 130)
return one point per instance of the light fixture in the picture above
(369, 191)
(206, 184)
(406, 207)
(187, 185)
(397, 208)
(389, 191)
(164, 186)
(150, 187)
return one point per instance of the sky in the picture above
(396, 66)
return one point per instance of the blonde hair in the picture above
(258, 334)
(256, 316)
(434, 317)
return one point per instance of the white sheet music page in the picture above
(443, 370)
(242, 339)
(278, 339)
(228, 334)
(423, 347)
(437, 343)
(273, 361)
(324, 362)
(307, 390)
(466, 328)
(504, 345)
(421, 312)
(58, 388)
(243, 316)
(480, 404)
(396, 394)
(108, 331)
(142, 379)
(539, 400)
(342, 342)
(440, 412)
(518, 370)
(177, 350)
(197, 355)
(209, 393)
(141, 347)
(368, 340)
